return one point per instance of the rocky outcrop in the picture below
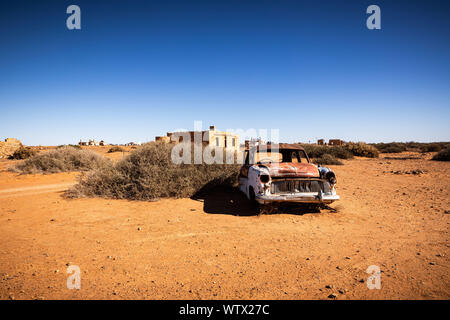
(8, 147)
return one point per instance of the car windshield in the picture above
(264, 157)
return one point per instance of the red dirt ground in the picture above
(217, 248)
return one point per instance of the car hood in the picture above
(291, 169)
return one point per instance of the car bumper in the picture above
(298, 198)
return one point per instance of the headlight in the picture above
(264, 178)
(330, 176)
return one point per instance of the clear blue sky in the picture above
(138, 69)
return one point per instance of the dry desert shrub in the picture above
(397, 147)
(23, 153)
(115, 149)
(427, 146)
(62, 160)
(69, 145)
(327, 159)
(346, 151)
(443, 155)
(431, 147)
(391, 147)
(362, 149)
(148, 174)
(316, 151)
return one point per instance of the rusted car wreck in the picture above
(283, 173)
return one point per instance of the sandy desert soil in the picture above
(216, 248)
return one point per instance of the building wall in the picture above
(224, 139)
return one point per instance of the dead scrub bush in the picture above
(443, 155)
(397, 147)
(62, 160)
(391, 147)
(69, 145)
(23, 153)
(431, 147)
(148, 174)
(316, 151)
(115, 149)
(362, 149)
(327, 159)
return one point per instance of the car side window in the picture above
(302, 156)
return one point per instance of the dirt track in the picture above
(216, 248)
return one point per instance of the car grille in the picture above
(293, 186)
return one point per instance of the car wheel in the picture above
(253, 201)
(251, 194)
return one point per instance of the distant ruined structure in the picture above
(210, 137)
(331, 142)
(8, 147)
(91, 142)
(336, 142)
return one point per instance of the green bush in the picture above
(327, 159)
(115, 149)
(362, 149)
(148, 173)
(443, 155)
(62, 160)
(23, 153)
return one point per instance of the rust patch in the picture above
(292, 169)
